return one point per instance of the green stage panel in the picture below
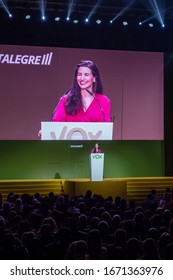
(70, 159)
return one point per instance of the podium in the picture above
(76, 131)
(96, 166)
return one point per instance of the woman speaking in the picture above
(85, 101)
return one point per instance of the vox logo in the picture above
(77, 133)
(97, 156)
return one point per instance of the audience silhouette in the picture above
(87, 227)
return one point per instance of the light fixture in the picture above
(57, 18)
(75, 21)
(42, 6)
(27, 17)
(125, 23)
(70, 9)
(98, 21)
(5, 7)
(151, 25)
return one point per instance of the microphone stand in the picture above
(101, 109)
(67, 91)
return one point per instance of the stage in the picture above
(132, 188)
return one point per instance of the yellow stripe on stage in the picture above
(132, 188)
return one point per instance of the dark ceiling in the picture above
(17, 30)
(106, 8)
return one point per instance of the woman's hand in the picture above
(39, 133)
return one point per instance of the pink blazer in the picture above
(94, 113)
(99, 151)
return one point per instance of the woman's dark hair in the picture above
(95, 147)
(74, 100)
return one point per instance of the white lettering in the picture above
(24, 59)
(50, 58)
(10, 58)
(44, 59)
(38, 60)
(18, 59)
(31, 59)
(5, 59)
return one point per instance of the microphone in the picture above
(90, 92)
(101, 109)
(67, 91)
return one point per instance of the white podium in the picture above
(96, 166)
(76, 131)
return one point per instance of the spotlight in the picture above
(5, 7)
(86, 20)
(140, 23)
(98, 21)
(111, 21)
(151, 25)
(125, 23)
(42, 6)
(163, 25)
(57, 18)
(75, 21)
(71, 4)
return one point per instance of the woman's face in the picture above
(96, 145)
(85, 78)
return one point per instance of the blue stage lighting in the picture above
(5, 7)
(42, 5)
(158, 10)
(122, 11)
(94, 9)
(70, 7)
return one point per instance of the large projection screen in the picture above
(32, 79)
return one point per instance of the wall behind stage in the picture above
(70, 159)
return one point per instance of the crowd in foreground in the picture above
(91, 227)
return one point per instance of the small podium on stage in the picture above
(96, 166)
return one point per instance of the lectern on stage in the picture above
(96, 166)
(76, 131)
